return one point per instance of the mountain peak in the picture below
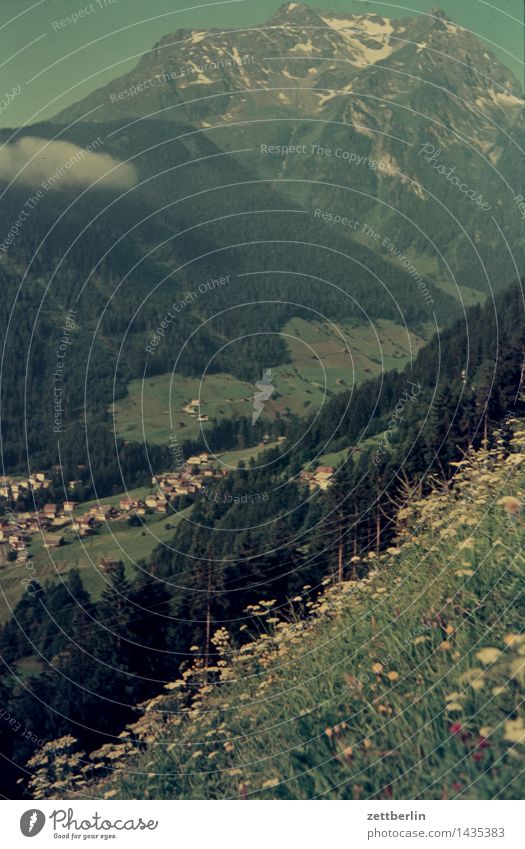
(295, 11)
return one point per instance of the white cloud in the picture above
(33, 161)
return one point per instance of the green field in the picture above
(325, 359)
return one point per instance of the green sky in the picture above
(55, 68)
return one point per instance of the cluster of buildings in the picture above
(193, 478)
(19, 527)
(14, 488)
(319, 479)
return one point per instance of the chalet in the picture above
(50, 510)
(151, 501)
(69, 506)
(53, 540)
(195, 460)
(125, 503)
(16, 540)
(322, 476)
(203, 419)
(108, 564)
(103, 512)
(60, 522)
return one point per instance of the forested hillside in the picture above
(407, 683)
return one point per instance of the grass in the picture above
(408, 684)
(320, 366)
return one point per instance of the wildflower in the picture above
(452, 696)
(445, 645)
(329, 733)
(514, 730)
(511, 504)
(488, 655)
(377, 668)
(392, 676)
(456, 728)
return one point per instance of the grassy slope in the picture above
(318, 357)
(406, 685)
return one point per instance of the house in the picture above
(16, 540)
(68, 506)
(50, 510)
(322, 476)
(53, 540)
(103, 512)
(195, 460)
(108, 564)
(125, 503)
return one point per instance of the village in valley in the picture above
(56, 523)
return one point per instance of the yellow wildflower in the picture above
(392, 676)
